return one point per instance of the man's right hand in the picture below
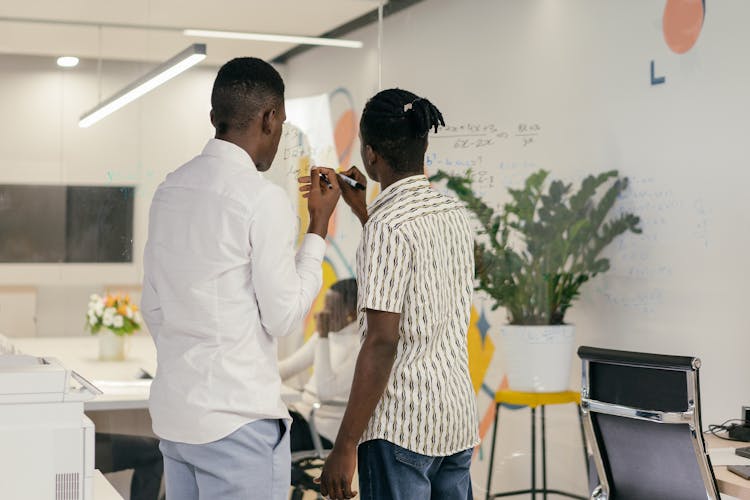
(321, 198)
(355, 198)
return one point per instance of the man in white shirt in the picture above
(221, 283)
(332, 354)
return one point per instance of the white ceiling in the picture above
(152, 32)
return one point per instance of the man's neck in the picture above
(392, 177)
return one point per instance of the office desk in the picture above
(728, 482)
(117, 379)
(123, 408)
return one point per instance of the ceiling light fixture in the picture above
(162, 73)
(267, 37)
(67, 61)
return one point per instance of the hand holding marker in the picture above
(348, 180)
(351, 182)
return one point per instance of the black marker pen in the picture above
(325, 180)
(351, 182)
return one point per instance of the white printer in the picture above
(46, 441)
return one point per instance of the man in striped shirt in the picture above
(412, 407)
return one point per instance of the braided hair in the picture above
(395, 124)
(242, 88)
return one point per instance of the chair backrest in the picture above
(642, 420)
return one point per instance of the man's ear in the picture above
(213, 119)
(371, 156)
(268, 116)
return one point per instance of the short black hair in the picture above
(347, 288)
(395, 124)
(242, 88)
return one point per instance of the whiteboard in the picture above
(579, 72)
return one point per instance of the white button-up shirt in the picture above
(221, 282)
(333, 360)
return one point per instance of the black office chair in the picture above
(642, 421)
(306, 461)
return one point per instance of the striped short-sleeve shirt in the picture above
(416, 258)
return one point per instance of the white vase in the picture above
(112, 347)
(538, 358)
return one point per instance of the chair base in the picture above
(301, 481)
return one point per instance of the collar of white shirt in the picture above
(229, 152)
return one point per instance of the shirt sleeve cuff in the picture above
(381, 304)
(313, 246)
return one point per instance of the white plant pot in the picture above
(538, 358)
(112, 347)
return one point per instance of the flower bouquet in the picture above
(113, 317)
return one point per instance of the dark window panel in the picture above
(99, 225)
(66, 224)
(32, 223)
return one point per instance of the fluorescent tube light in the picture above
(164, 72)
(267, 37)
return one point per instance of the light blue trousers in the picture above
(254, 462)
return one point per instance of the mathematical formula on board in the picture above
(641, 268)
(483, 135)
(479, 146)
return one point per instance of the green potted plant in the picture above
(532, 259)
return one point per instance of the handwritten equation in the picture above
(644, 300)
(434, 161)
(660, 207)
(296, 154)
(478, 135)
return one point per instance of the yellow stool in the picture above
(532, 400)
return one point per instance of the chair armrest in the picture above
(333, 402)
(317, 444)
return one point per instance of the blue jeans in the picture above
(389, 472)
(254, 462)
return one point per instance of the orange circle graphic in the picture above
(682, 23)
